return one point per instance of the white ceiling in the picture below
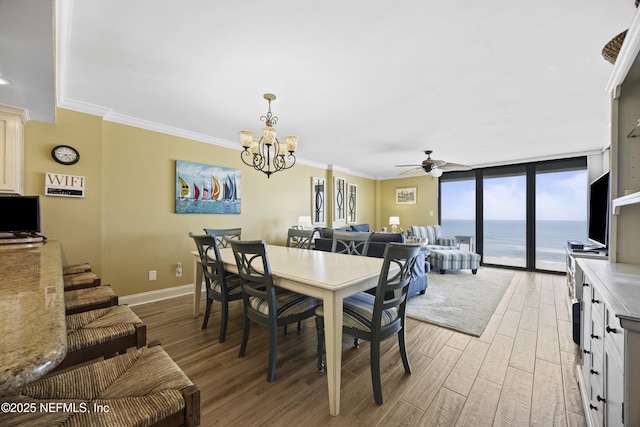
(365, 84)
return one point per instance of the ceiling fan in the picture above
(434, 167)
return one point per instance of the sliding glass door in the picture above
(504, 205)
(520, 215)
(458, 209)
(561, 214)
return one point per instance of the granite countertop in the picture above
(33, 337)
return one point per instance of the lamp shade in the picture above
(304, 222)
(394, 220)
(436, 173)
(292, 142)
(246, 138)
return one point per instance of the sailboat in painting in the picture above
(216, 188)
(184, 188)
(196, 192)
(228, 190)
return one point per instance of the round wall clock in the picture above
(65, 155)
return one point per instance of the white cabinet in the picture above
(11, 150)
(608, 373)
(574, 275)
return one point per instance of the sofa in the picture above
(377, 244)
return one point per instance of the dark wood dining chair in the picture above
(223, 235)
(263, 304)
(300, 238)
(352, 243)
(377, 318)
(221, 287)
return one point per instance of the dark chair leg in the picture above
(356, 342)
(299, 326)
(207, 312)
(224, 319)
(442, 271)
(286, 330)
(245, 336)
(403, 351)
(273, 353)
(320, 331)
(375, 371)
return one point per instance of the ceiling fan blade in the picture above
(412, 171)
(455, 167)
(438, 163)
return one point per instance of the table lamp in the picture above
(394, 222)
(304, 222)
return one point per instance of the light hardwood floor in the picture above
(518, 373)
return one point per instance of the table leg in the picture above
(333, 341)
(197, 286)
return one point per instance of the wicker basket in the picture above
(611, 49)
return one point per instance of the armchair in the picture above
(433, 235)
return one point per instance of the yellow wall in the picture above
(418, 214)
(76, 222)
(127, 225)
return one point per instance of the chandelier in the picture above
(267, 154)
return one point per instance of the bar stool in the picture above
(76, 268)
(82, 280)
(79, 300)
(143, 387)
(102, 333)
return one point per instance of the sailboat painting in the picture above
(207, 189)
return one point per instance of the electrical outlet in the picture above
(178, 270)
(152, 275)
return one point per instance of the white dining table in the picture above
(328, 276)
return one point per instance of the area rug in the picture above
(460, 300)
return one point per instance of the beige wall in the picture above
(418, 214)
(127, 225)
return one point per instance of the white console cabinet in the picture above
(11, 150)
(609, 371)
(574, 275)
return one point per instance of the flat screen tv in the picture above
(599, 202)
(20, 215)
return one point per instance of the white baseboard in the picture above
(157, 295)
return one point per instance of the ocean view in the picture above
(506, 238)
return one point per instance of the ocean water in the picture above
(208, 206)
(506, 239)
